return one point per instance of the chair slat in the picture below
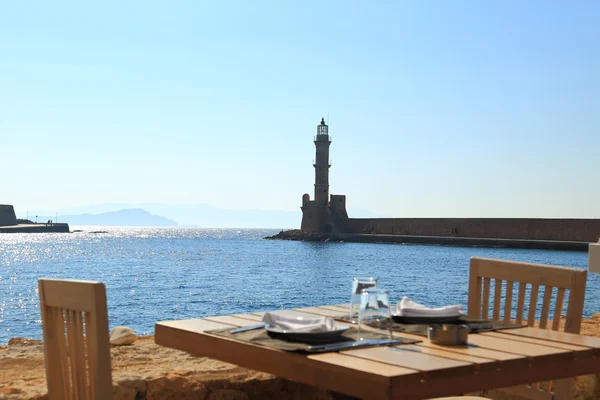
(533, 299)
(486, 298)
(560, 298)
(80, 356)
(521, 302)
(72, 346)
(89, 337)
(497, 296)
(508, 301)
(61, 339)
(546, 307)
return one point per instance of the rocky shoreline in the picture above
(298, 235)
(145, 370)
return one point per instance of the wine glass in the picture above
(358, 285)
(375, 309)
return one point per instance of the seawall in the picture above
(568, 230)
(467, 241)
(36, 228)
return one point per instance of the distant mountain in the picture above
(205, 215)
(128, 217)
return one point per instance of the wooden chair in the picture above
(76, 343)
(533, 276)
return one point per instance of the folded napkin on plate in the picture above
(299, 324)
(408, 308)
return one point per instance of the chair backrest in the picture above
(76, 342)
(534, 276)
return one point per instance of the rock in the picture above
(227, 394)
(173, 386)
(121, 335)
(19, 341)
(129, 387)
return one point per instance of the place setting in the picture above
(316, 334)
(446, 325)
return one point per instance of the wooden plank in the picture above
(518, 347)
(521, 302)
(481, 362)
(508, 301)
(554, 336)
(231, 320)
(289, 313)
(477, 351)
(486, 298)
(346, 306)
(428, 364)
(195, 325)
(340, 310)
(469, 350)
(558, 306)
(72, 294)
(526, 272)
(58, 341)
(474, 299)
(72, 353)
(532, 305)
(566, 346)
(362, 364)
(545, 307)
(497, 297)
(89, 337)
(576, 299)
(250, 317)
(101, 344)
(320, 311)
(80, 355)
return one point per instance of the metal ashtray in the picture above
(448, 334)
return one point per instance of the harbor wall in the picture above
(36, 228)
(576, 230)
(7, 215)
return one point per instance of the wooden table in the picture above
(423, 370)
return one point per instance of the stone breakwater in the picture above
(145, 370)
(299, 235)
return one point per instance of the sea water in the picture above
(163, 274)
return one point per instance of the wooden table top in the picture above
(417, 371)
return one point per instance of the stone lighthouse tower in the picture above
(324, 214)
(321, 164)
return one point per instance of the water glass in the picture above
(358, 285)
(375, 309)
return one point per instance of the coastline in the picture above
(298, 235)
(36, 228)
(145, 370)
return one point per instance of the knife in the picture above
(248, 328)
(350, 345)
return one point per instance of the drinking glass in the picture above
(375, 309)
(358, 285)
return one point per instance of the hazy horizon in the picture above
(458, 109)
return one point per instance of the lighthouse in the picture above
(322, 143)
(326, 213)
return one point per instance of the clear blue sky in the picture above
(436, 108)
